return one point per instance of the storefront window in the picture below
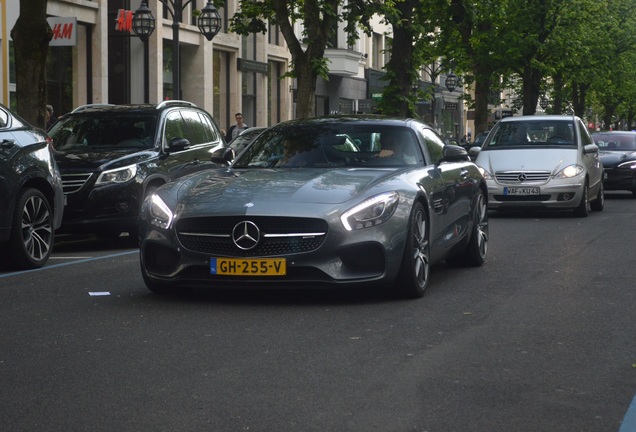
(59, 79)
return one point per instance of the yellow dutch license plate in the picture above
(248, 266)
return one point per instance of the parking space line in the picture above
(47, 267)
(629, 422)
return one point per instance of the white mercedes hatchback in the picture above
(544, 162)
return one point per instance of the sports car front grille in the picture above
(74, 182)
(279, 235)
(517, 177)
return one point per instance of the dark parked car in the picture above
(479, 139)
(618, 154)
(244, 138)
(330, 201)
(31, 197)
(112, 156)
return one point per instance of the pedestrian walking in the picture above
(236, 129)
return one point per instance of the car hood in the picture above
(279, 187)
(75, 160)
(553, 160)
(613, 158)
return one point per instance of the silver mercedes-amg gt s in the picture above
(323, 202)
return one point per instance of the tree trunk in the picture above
(531, 89)
(557, 99)
(306, 82)
(608, 115)
(579, 93)
(31, 35)
(482, 92)
(397, 98)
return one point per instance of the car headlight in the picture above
(570, 171)
(159, 214)
(484, 173)
(371, 212)
(628, 165)
(118, 175)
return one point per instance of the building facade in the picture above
(95, 58)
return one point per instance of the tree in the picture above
(404, 62)
(613, 86)
(319, 19)
(31, 35)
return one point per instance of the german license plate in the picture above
(248, 266)
(522, 191)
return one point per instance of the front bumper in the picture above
(619, 179)
(556, 194)
(365, 258)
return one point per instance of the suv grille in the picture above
(517, 177)
(74, 182)
(279, 235)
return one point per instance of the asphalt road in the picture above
(541, 338)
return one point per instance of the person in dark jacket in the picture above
(236, 129)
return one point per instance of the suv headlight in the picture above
(371, 212)
(569, 171)
(117, 175)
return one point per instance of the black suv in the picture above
(31, 198)
(112, 156)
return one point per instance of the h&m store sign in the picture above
(64, 31)
(65, 28)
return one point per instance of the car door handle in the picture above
(7, 143)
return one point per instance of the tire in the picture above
(413, 278)
(32, 233)
(475, 253)
(583, 209)
(599, 203)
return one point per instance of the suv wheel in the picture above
(31, 240)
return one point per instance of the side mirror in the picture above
(178, 144)
(226, 159)
(590, 148)
(455, 153)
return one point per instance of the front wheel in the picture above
(583, 208)
(31, 241)
(599, 203)
(415, 270)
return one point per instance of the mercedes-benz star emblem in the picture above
(522, 177)
(246, 235)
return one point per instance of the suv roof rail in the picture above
(174, 102)
(83, 107)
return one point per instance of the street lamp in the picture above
(143, 22)
(209, 23)
(451, 82)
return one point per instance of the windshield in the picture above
(615, 142)
(548, 133)
(106, 132)
(327, 145)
